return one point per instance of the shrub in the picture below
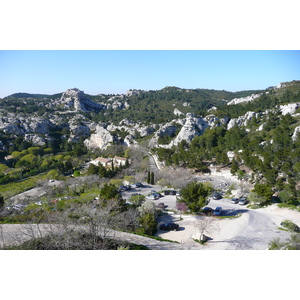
(148, 223)
(288, 224)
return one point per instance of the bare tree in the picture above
(206, 225)
(177, 178)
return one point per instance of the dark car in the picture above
(217, 196)
(207, 211)
(173, 193)
(169, 226)
(235, 200)
(167, 192)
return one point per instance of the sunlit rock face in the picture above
(74, 99)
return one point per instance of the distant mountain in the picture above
(27, 95)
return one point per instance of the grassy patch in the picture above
(283, 229)
(289, 206)
(14, 188)
(230, 217)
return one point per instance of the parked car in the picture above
(137, 185)
(161, 205)
(151, 197)
(243, 201)
(207, 211)
(158, 195)
(169, 226)
(217, 196)
(122, 188)
(173, 193)
(218, 211)
(235, 200)
(167, 192)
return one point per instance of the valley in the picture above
(241, 144)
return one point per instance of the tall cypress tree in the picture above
(148, 178)
(1, 201)
(152, 178)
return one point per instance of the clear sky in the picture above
(116, 71)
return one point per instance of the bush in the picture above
(149, 224)
(290, 226)
(137, 199)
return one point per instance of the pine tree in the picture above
(149, 178)
(234, 166)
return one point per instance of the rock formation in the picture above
(74, 99)
(100, 139)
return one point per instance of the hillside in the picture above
(253, 133)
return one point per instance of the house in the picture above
(105, 162)
(119, 161)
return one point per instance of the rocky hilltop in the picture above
(80, 116)
(74, 99)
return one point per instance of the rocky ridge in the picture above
(74, 103)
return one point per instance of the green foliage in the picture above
(116, 182)
(152, 178)
(256, 199)
(148, 223)
(1, 201)
(129, 179)
(234, 167)
(148, 177)
(195, 196)
(288, 196)
(77, 173)
(263, 190)
(53, 174)
(291, 226)
(109, 191)
(137, 199)
(92, 169)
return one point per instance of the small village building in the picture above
(105, 162)
(119, 161)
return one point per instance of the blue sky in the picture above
(116, 71)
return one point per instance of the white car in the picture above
(151, 197)
(242, 201)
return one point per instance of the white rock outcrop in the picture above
(295, 133)
(177, 112)
(74, 99)
(100, 139)
(289, 108)
(243, 120)
(243, 99)
(35, 139)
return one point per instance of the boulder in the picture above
(100, 139)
